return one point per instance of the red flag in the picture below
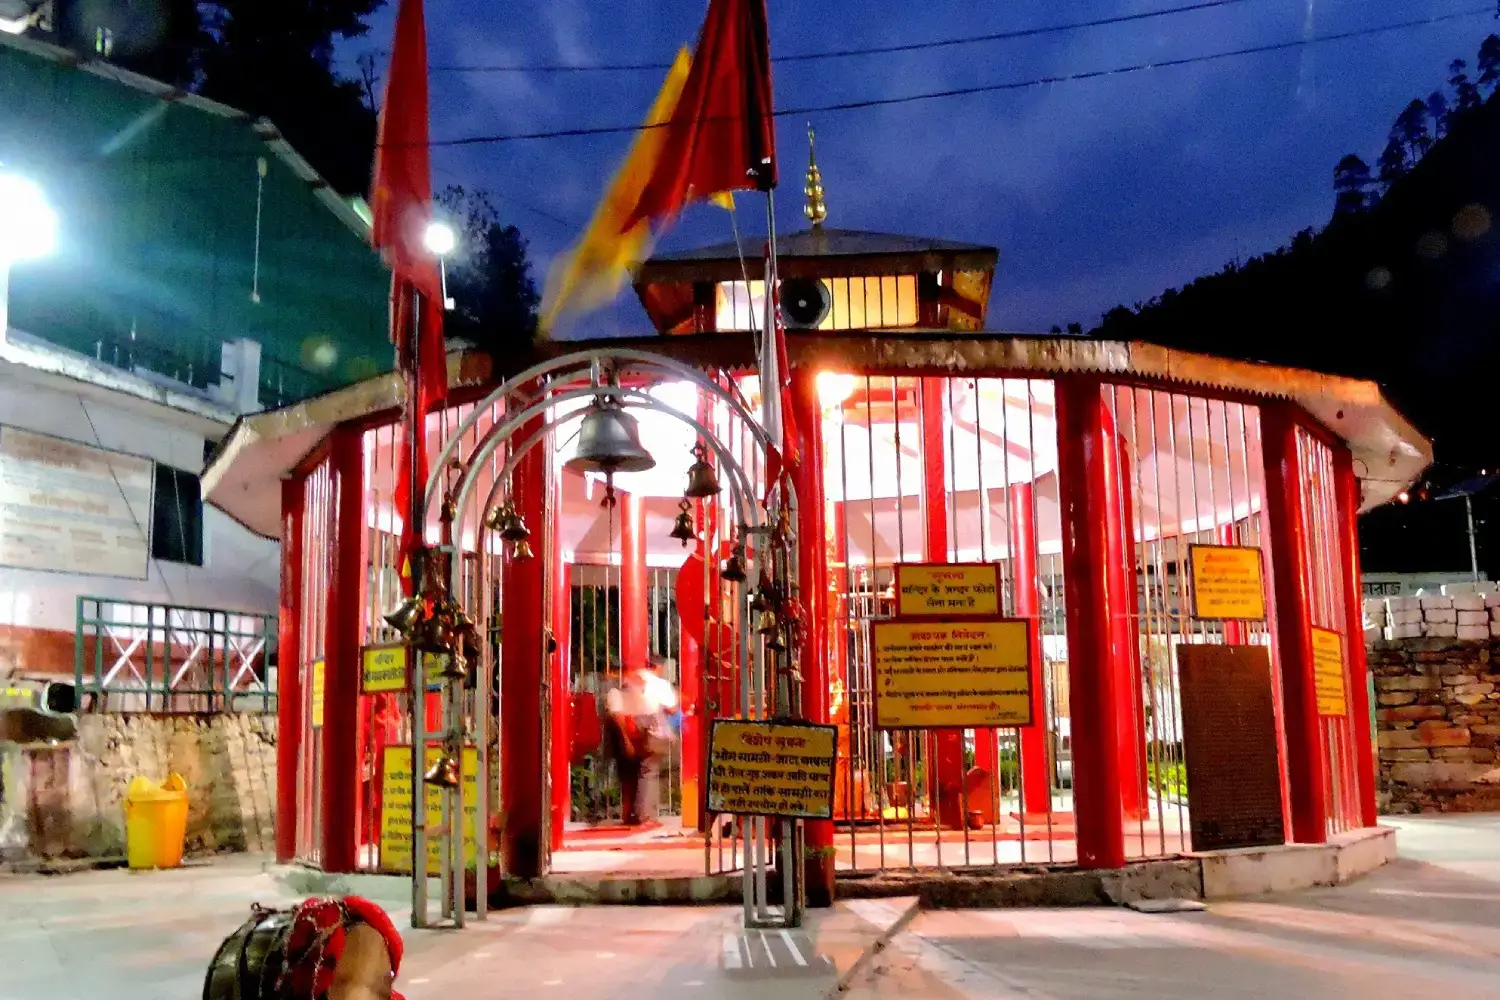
(722, 136)
(776, 384)
(401, 200)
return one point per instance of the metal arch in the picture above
(501, 433)
(578, 360)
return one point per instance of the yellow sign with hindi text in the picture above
(780, 769)
(947, 590)
(1328, 672)
(1228, 582)
(395, 810)
(319, 682)
(952, 674)
(383, 668)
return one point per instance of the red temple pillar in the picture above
(289, 669)
(1036, 773)
(945, 778)
(523, 659)
(561, 684)
(1124, 622)
(690, 613)
(341, 759)
(1308, 791)
(1085, 444)
(812, 585)
(1359, 681)
(634, 614)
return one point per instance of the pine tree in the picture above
(1489, 61)
(489, 279)
(1465, 93)
(1437, 111)
(1351, 185)
(1411, 129)
(1393, 165)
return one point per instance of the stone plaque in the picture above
(1229, 735)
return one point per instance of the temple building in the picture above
(1172, 535)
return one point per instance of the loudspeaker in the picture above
(804, 302)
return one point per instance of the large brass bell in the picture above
(609, 441)
(703, 482)
(406, 616)
(444, 773)
(683, 529)
(733, 569)
(522, 551)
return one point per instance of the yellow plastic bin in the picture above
(155, 822)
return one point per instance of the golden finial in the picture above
(815, 210)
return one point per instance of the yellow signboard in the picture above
(383, 668)
(771, 769)
(968, 675)
(395, 810)
(1328, 672)
(318, 683)
(1228, 582)
(947, 590)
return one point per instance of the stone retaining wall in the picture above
(67, 802)
(1438, 722)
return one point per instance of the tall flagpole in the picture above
(417, 525)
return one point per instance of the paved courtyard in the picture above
(1427, 926)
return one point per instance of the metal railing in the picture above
(131, 656)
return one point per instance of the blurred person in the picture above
(641, 710)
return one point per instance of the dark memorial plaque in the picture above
(1229, 735)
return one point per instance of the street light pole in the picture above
(1473, 546)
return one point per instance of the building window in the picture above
(855, 303)
(177, 517)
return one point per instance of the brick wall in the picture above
(67, 802)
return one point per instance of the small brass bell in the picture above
(512, 525)
(522, 551)
(769, 625)
(758, 600)
(443, 774)
(455, 667)
(469, 640)
(777, 640)
(406, 616)
(495, 519)
(682, 528)
(703, 482)
(733, 569)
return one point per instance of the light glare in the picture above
(440, 238)
(28, 226)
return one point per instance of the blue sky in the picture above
(1096, 192)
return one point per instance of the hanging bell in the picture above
(511, 525)
(406, 616)
(455, 667)
(443, 774)
(609, 441)
(495, 519)
(703, 482)
(758, 601)
(777, 640)
(733, 569)
(522, 551)
(470, 642)
(682, 528)
(769, 624)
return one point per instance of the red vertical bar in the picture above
(1084, 447)
(523, 658)
(1036, 778)
(1290, 560)
(946, 777)
(812, 571)
(633, 610)
(1123, 623)
(1234, 632)
(1359, 684)
(562, 689)
(289, 667)
(341, 758)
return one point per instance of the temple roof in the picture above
(820, 241)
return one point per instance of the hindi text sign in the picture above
(780, 769)
(395, 810)
(953, 675)
(383, 668)
(947, 590)
(1228, 582)
(319, 681)
(1328, 672)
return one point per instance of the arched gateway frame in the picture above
(544, 390)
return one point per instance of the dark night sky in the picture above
(1096, 192)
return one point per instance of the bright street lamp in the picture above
(441, 240)
(28, 230)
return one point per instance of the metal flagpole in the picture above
(417, 512)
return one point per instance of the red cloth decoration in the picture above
(316, 941)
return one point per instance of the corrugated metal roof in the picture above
(822, 242)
